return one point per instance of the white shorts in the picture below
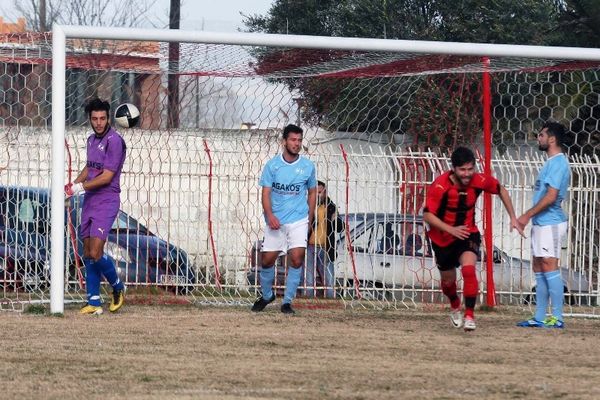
(288, 236)
(546, 240)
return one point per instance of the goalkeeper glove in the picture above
(72, 189)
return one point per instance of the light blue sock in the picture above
(92, 282)
(267, 275)
(555, 287)
(291, 284)
(541, 296)
(106, 266)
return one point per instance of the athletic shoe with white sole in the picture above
(469, 324)
(456, 317)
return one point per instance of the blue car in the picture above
(139, 255)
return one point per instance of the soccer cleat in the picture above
(261, 303)
(92, 310)
(469, 324)
(553, 322)
(530, 323)
(456, 317)
(118, 299)
(286, 308)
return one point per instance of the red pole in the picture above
(348, 238)
(210, 225)
(487, 169)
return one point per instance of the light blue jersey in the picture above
(289, 183)
(556, 174)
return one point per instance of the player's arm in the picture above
(101, 180)
(549, 198)
(82, 175)
(272, 220)
(312, 200)
(459, 232)
(508, 205)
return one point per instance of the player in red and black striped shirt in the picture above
(450, 213)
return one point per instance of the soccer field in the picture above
(165, 352)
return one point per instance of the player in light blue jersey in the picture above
(549, 228)
(289, 189)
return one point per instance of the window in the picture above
(361, 241)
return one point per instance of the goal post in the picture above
(360, 58)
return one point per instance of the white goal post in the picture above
(60, 35)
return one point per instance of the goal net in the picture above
(380, 118)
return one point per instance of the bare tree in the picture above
(41, 14)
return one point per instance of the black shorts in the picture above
(447, 257)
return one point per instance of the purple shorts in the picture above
(97, 216)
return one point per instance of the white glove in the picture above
(77, 188)
(74, 189)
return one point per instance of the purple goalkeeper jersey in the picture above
(106, 152)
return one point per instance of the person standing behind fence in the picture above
(322, 250)
(288, 184)
(99, 179)
(450, 212)
(549, 227)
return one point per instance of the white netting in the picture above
(378, 126)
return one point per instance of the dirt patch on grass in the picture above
(180, 351)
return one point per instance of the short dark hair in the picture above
(321, 183)
(97, 105)
(461, 156)
(291, 128)
(555, 129)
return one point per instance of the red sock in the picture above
(449, 289)
(470, 288)
(469, 312)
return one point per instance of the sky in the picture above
(208, 15)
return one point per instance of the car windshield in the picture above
(354, 220)
(388, 234)
(124, 222)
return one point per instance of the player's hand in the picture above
(72, 189)
(273, 222)
(460, 232)
(523, 220)
(514, 223)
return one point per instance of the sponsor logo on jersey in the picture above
(292, 187)
(95, 165)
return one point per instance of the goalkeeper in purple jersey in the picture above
(99, 179)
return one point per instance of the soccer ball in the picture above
(127, 115)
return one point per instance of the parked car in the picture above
(393, 251)
(139, 255)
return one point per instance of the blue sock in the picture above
(92, 282)
(291, 284)
(555, 287)
(267, 275)
(541, 296)
(106, 266)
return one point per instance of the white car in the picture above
(392, 251)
